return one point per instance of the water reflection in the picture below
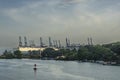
(35, 71)
(35, 74)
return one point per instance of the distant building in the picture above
(27, 49)
(32, 46)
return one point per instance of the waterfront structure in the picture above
(67, 42)
(90, 42)
(26, 49)
(59, 43)
(25, 41)
(55, 44)
(50, 43)
(32, 46)
(20, 41)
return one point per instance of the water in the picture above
(56, 70)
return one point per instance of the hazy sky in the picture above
(75, 19)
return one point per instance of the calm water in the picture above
(56, 70)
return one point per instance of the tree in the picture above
(102, 53)
(18, 54)
(83, 53)
(34, 54)
(115, 47)
(49, 52)
(8, 55)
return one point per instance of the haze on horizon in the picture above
(75, 19)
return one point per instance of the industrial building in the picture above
(55, 44)
(32, 47)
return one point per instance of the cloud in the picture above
(76, 19)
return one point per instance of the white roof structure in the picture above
(25, 49)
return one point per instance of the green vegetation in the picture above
(50, 53)
(7, 55)
(106, 52)
(32, 55)
(17, 54)
(115, 47)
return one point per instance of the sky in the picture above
(74, 19)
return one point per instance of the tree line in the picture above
(106, 52)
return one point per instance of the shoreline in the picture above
(91, 61)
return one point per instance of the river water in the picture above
(13, 69)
